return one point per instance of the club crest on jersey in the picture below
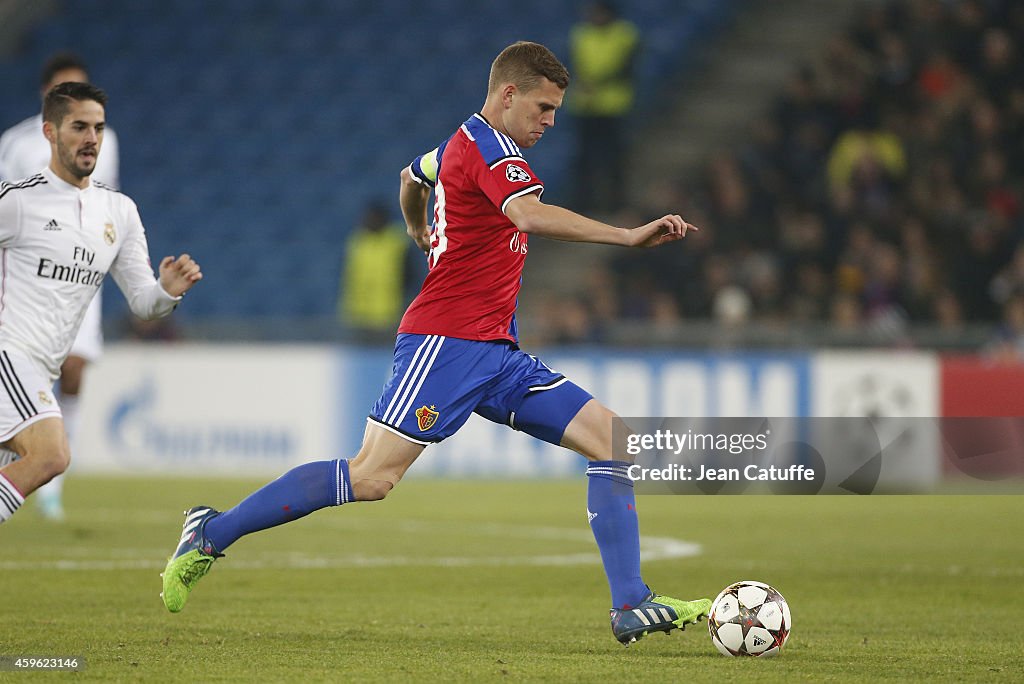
(108, 233)
(45, 398)
(516, 174)
(426, 417)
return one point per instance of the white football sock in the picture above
(10, 498)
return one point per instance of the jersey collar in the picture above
(62, 184)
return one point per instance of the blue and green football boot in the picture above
(656, 614)
(191, 560)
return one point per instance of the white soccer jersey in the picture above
(25, 151)
(57, 242)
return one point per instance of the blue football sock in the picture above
(611, 507)
(297, 493)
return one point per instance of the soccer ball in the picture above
(749, 618)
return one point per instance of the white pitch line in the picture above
(651, 549)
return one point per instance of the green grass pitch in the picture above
(497, 581)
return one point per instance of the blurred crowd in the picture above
(884, 189)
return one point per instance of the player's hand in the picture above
(177, 276)
(668, 228)
(421, 236)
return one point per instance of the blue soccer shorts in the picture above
(438, 382)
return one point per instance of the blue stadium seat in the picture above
(255, 131)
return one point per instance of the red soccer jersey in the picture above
(476, 254)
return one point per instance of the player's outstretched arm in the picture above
(413, 197)
(547, 220)
(177, 276)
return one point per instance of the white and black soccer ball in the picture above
(749, 619)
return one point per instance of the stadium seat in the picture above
(259, 128)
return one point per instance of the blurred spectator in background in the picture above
(1008, 344)
(25, 151)
(731, 306)
(376, 275)
(603, 49)
(885, 188)
(868, 165)
(846, 313)
(1009, 282)
(921, 273)
(948, 314)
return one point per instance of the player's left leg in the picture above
(87, 347)
(611, 505)
(50, 497)
(611, 508)
(557, 411)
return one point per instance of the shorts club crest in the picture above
(425, 418)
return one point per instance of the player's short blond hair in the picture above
(524, 64)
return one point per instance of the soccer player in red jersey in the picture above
(457, 350)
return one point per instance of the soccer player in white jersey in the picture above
(60, 234)
(25, 151)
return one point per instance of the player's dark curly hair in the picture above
(525, 64)
(58, 99)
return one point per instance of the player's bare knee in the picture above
(590, 433)
(371, 490)
(49, 462)
(371, 483)
(59, 461)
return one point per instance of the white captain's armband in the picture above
(424, 168)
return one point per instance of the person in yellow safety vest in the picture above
(603, 49)
(372, 296)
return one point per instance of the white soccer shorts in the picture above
(26, 396)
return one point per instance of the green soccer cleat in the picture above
(191, 560)
(656, 614)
